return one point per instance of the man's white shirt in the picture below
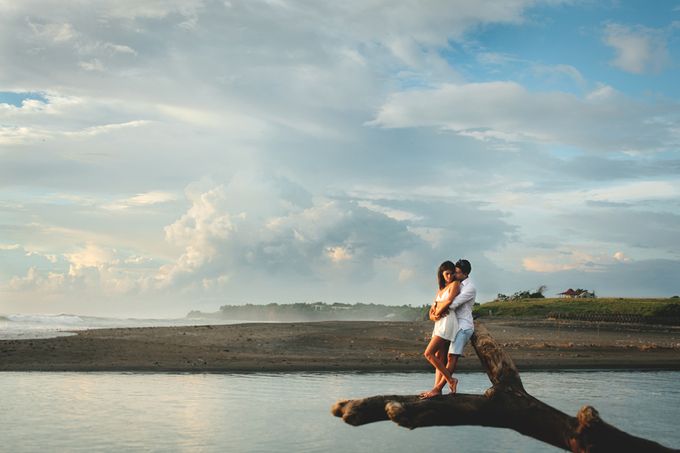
(462, 304)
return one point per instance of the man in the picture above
(462, 307)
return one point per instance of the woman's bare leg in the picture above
(440, 353)
(451, 366)
(437, 343)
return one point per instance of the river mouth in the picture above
(255, 412)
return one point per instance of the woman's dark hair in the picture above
(445, 266)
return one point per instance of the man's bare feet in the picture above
(431, 394)
(453, 385)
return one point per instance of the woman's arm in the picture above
(443, 305)
(433, 310)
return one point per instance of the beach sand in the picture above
(341, 346)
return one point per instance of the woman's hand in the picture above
(433, 313)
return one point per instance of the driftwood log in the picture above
(504, 405)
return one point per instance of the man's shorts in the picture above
(458, 343)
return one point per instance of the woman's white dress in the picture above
(447, 326)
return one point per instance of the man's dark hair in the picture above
(464, 266)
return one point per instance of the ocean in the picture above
(35, 326)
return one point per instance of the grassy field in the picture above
(646, 308)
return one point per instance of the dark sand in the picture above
(341, 346)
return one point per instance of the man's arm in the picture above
(444, 305)
(467, 294)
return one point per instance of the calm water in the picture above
(291, 412)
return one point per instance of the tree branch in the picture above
(505, 405)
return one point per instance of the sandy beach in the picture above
(341, 346)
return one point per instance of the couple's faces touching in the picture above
(450, 276)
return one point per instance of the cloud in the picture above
(633, 227)
(93, 65)
(636, 191)
(58, 117)
(566, 260)
(639, 278)
(92, 256)
(638, 49)
(620, 256)
(264, 104)
(604, 120)
(338, 254)
(142, 199)
(52, 32)
(278, 238)
(226, 232)
(35, 281)
(89, 269)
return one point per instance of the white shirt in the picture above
(462, 304)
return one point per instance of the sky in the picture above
(158, 157)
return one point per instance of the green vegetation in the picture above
(601, 309)
(644, 308)
(317, 311)
(538, 294)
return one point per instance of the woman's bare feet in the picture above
(453, 385)
(431, 394)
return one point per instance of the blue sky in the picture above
(158, 157)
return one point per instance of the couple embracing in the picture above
(453, 324)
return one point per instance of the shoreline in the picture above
(341, 346)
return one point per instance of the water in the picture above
(291, 412)
(34, 326)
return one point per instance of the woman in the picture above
(445, 327)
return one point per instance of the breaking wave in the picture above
(44, 319)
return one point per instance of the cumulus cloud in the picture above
(226, 231)
(638, 49)
(259, 240)
(36, 281)
(92, 256)
(89, 269)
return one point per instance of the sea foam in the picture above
(45, 319)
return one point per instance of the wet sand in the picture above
(341, 346)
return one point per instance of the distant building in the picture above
(580, 293)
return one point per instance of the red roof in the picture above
(569, 292)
